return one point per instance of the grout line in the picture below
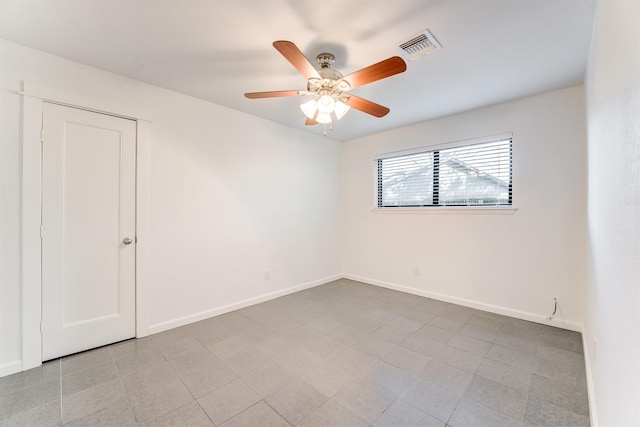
(276, 411)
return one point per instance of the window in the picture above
(475, 173)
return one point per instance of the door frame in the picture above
(34, 95)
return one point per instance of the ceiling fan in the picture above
(329, 87)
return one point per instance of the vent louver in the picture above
(419, 45)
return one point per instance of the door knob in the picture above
(127, 240)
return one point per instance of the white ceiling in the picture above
(493, 50)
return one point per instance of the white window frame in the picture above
(489, 209)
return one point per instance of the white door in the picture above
(88, 230)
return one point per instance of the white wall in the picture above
(231, 196)
(514, 264)
(612, 317)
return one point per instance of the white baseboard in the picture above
(532, 317)
(196, 317)
(593, 412)
(10, 368)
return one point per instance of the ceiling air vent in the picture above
(420, 44)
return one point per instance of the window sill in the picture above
(451, 210)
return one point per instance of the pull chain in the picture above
(324, 131)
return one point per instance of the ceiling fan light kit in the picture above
(328, 91)
(329, 87)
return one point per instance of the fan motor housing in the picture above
(330, 79)
(330, 74)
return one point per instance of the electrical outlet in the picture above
(416, 271)
(267, 275)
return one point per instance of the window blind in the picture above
(476, 174)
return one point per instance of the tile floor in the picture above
(341, 354)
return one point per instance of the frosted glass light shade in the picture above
(309, 108)
(326, 104)
(341, 109)
(323, 118)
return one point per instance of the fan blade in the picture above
(379, 71)
(367, 106)
(292, 54)
(275, 94)
(310, 122)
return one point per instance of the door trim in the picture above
(34, 96)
